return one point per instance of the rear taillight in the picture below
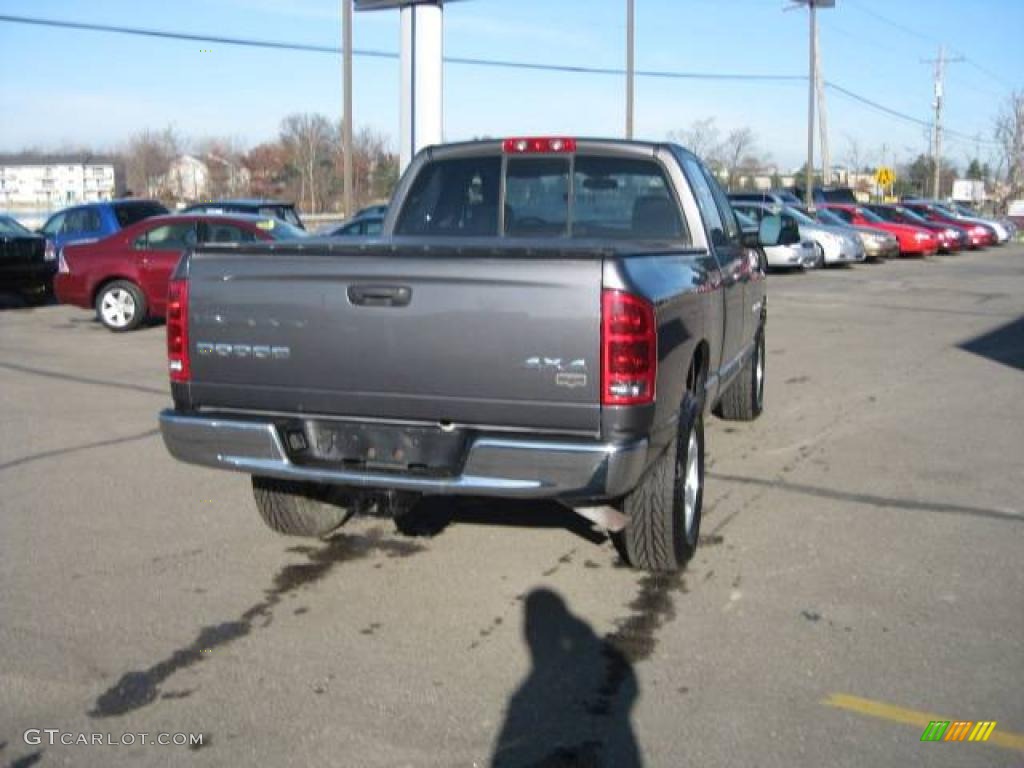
(539, 144)
(629, 349)
(177, 331)
(62, 263)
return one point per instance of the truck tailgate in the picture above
(432, 336)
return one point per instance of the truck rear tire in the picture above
(744, 400)
(664, 510)
(300, 509)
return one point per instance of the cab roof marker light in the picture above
(538, 145)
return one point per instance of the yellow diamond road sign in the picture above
(885, 176)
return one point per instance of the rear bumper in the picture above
(493, 466)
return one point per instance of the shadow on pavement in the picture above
(433, 514)
(1003, 345)
(874, 501)
(573, 709)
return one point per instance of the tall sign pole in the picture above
(812, 86)
(811, 93)
(346, 124)
(629, 68)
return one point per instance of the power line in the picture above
(461, 60)
(929, 39)
(376, 53)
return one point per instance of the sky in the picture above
(68, 87)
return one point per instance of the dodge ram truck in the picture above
(541, 318)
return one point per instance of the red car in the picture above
(124, 277)
(914, 241)
(978, 235)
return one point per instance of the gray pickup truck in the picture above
(541, 318)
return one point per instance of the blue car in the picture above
(94, 221)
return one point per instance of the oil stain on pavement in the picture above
(140, 688)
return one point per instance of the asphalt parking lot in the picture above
(860, 572)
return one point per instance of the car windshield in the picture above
(888, 214)
(909, 216)
(870, 215)
(9, 226)
(283, 212)
(281, 230)
(825, 216)
(799, 215)
(746, 222)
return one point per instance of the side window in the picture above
(373, 227)
(74, 221)
(842, 213)
(537, 197)
(706, 202)
(732, 229)
(453, 198)
(227, 233)
(91, 220)
(169, 237)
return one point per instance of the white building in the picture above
(197, 178)
(187, 178)
(54, 185)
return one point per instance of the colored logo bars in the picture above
(958, 730)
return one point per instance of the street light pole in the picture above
(346, 125)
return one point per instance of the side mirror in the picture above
(770, 230)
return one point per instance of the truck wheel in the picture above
(744, 400)
(120, 306)
(299, 509)
(664, 510)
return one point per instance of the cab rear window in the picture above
(544, 196)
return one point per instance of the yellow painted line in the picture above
(896, 714)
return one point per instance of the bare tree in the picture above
(148, 156)
(1009, 133)
(703, 139)
(738, 145)
(309, 141)
(226, 173)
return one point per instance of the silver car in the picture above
(833, 245)
(793, 256)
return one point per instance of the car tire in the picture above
(300, 509)
(744, 400)
(819, 261)
(664, 510)
(120, 306)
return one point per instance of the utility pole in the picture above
(940, 65)
(629, 68)
(346, 118)
(812, 85)
(826, 157)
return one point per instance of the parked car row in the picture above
(116, 256)
(846, 232)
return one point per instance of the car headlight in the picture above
(920, 236)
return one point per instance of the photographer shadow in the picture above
(573, 709)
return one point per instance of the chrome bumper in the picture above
(493, 466)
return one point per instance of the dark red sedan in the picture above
(914, 241)
(978, 235)
(124, 277)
